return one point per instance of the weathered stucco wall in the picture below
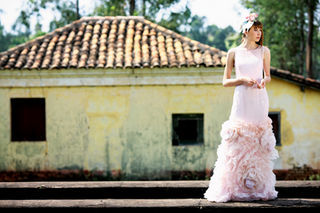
(127, 129)
(300, 118)
(121, 128)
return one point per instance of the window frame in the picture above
(277, 136)
(18, 103)
(199, 117)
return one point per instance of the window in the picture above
(275, 117)
(28, 119)
(187, 129)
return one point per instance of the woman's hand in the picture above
(262, 84)
(248, 81)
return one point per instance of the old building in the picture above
(124, 98)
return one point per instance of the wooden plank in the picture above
(138, 184)
(159, 203)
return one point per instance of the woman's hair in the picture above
(259, 25)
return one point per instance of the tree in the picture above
(286, 31)
(211, 35)
(3, 38)
(311, 5)
(8, 40)
(149, 9)
(179, 21)
(198, 31)
(110, 8)
(67, 10)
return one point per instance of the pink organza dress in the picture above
(243, 170)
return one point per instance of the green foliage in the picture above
(149, 9)
(14, 40)
(67, 10)
(68, 14)
(3, 39)
(180, 21)
(285, 31)
(177, 20)
(211, 35)
(111, 8)
(314, 177)
(8, 40)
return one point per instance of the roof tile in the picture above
(111, 42)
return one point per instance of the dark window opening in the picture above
(28, 119)
(187, 129)
(275, 117)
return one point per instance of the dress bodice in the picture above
(250, 103)
(249, 63)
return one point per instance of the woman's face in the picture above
(254, 34)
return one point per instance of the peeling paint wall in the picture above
(127, 129)
(300, 118)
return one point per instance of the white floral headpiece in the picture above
(247, 24)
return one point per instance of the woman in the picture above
(243, 170)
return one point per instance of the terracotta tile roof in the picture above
(293, 77)
(111, 42)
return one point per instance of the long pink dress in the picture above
(243, 170)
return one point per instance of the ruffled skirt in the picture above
(243, 170)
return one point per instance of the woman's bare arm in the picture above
(266, 68)
(266, 65)
(227, 81)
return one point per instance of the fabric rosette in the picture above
(243, 170)
(247, 24)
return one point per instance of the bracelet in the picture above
(267, 78)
